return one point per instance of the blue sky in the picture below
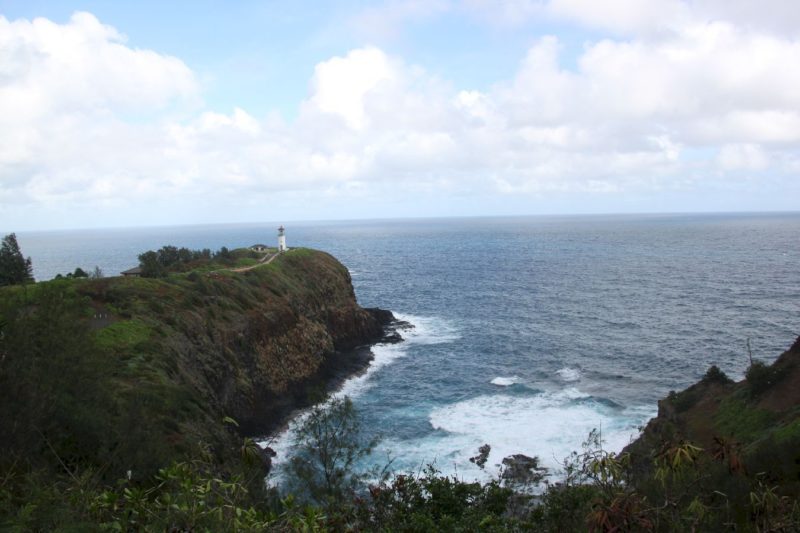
(260, 55)
(119, 114)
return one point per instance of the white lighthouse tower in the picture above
(281, 239)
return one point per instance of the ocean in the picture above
(529, 331)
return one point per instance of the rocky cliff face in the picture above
(252, 345)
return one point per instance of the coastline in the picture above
(274, 414)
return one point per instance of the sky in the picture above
(155, 113)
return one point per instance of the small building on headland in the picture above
(135, 272)
(260, 248)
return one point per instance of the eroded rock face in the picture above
(294, 348)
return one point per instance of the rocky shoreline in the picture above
(351, 358)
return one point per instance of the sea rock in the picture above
(392, 338)
(390, 324)
(483, 455)
(523, 470)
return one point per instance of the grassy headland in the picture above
(154, 365)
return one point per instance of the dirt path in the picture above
(267, 259)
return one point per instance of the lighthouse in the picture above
(281, 239)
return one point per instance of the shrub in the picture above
(434, 502)
(684, 400)
(715, 375)
(760, 377)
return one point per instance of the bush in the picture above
(760, 377)
(684, 400)
(715, 375)
(433, 502)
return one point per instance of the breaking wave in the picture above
(505, 382)
(569, 374)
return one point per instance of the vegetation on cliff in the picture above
(169, 259)
(114, 378)
(127, 404)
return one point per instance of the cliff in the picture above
(174, 361)
(752, 427)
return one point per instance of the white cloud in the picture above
(506, 12)
(772, 16)
(64, 92)
(623, 16)
(621, 121)
(385, 21)
(341, 84)
(82, 66)
(644, 18)
(734, 157)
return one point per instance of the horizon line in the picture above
(401, 219)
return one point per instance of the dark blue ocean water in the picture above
(529, 331)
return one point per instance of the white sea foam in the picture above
(428, 330)
(425, 331)
(569, 374)
(500, 381)
(549, 425)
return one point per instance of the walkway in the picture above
(267, 259)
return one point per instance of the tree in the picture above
(328, 445)
(150, 265)
(14, 268)
(53, 399)
(98, 273)
(223, 254)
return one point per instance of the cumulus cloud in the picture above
(64, 92)
(630, 114)
(340, 84)
(82, 66)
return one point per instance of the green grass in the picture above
(122, 335)
(246, 261)
(738, 418)
(789, 432)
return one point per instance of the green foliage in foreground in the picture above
(327, 447)
(686, 489)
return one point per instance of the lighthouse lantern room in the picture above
(281, 239)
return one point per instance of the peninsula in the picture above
(128, 373)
